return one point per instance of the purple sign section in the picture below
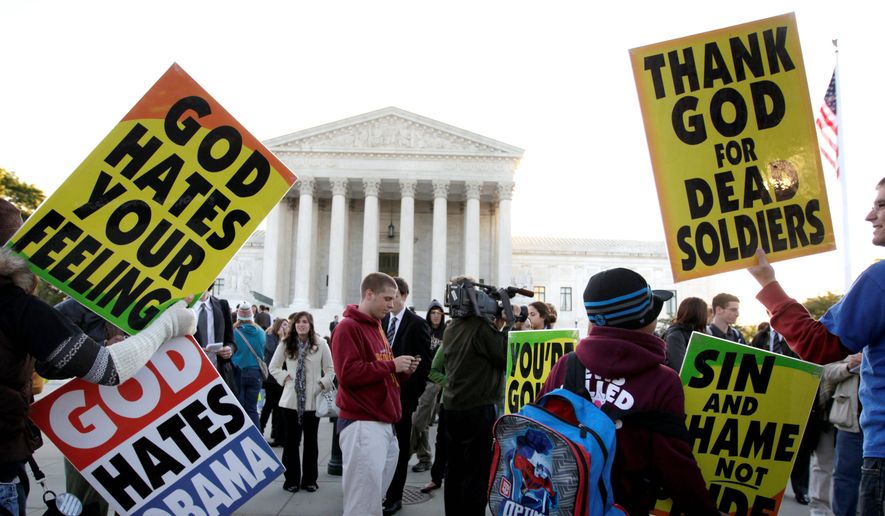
(221, 483)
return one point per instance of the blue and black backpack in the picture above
(555, 456)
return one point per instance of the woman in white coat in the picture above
(308, 370)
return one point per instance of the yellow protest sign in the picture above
(746, 410)
(530, 357)
(731, 135)
(157, 209)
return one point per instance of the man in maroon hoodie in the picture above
(368, 396)
(626, 374)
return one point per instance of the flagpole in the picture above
(843, 182)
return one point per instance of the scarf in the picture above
(300, 384)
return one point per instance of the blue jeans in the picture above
(872, 490)
(846, 472)
(250, 386)
(12, 498)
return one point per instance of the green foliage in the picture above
(818, 306)
(24, 195)
(747, 330)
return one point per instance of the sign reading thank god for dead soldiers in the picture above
(530, 357)
(157, 209)
(746, 410)
(732, 142)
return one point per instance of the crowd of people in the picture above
(394, 371)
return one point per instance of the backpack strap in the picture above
(575, 376)
(658, 421)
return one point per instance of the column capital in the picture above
(307, 185)
(339, 185)
(440, 188)
(407, 187)
(474, 188)
(371, 185)
(505, 191)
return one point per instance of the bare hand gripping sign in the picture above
(730, 132)
(157, 209)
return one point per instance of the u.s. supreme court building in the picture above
(400, 193)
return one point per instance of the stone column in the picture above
(407, 229)
(471, 229)
(271, 256)
(335, 296)
(370, 226)
(505, 243)
(303, 242)
(440, 220)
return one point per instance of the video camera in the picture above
(466, 299)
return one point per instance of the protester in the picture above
(368, 396)
(333, 324)
(842, 379)
(622, 350)
(726, 309)
(856, 323)
(32, 331)
(540, 316)
(274, 336)
(423, 416)
(408, 335)
(475, 358)
(691, 316)
(308, 370)
(249, 338)
(105, 334)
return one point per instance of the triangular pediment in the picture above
(392, 131)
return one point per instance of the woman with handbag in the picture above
(249, 338)
(308, 371)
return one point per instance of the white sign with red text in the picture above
(173, 439)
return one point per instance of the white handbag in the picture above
(325, 403)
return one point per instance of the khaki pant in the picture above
(421, 419)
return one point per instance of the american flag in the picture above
(828, 127)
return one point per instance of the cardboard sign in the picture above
(731, 135)
(746, 410)
(157, 209)
(170, 440)
(530, 357)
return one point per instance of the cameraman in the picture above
(475, 352)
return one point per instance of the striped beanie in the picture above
(622, 298)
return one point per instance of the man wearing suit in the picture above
(408, 334)
(214, 326)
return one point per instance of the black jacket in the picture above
(412, 338)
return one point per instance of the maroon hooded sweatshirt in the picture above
(368, 386)
(626, 368)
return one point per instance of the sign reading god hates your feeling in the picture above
(170, 440)
(733, 147)
(746, 411)
(530, 357)
(157, 209)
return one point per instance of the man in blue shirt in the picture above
(854, 324)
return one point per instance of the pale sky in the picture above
(553, 78)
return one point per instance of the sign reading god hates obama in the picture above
(157, 209)
(746, 410)
(530, 357)
(170, 440)
(733, 147)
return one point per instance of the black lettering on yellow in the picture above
(129, 146)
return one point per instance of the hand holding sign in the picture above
(763, 271)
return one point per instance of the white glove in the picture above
(133, 353)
